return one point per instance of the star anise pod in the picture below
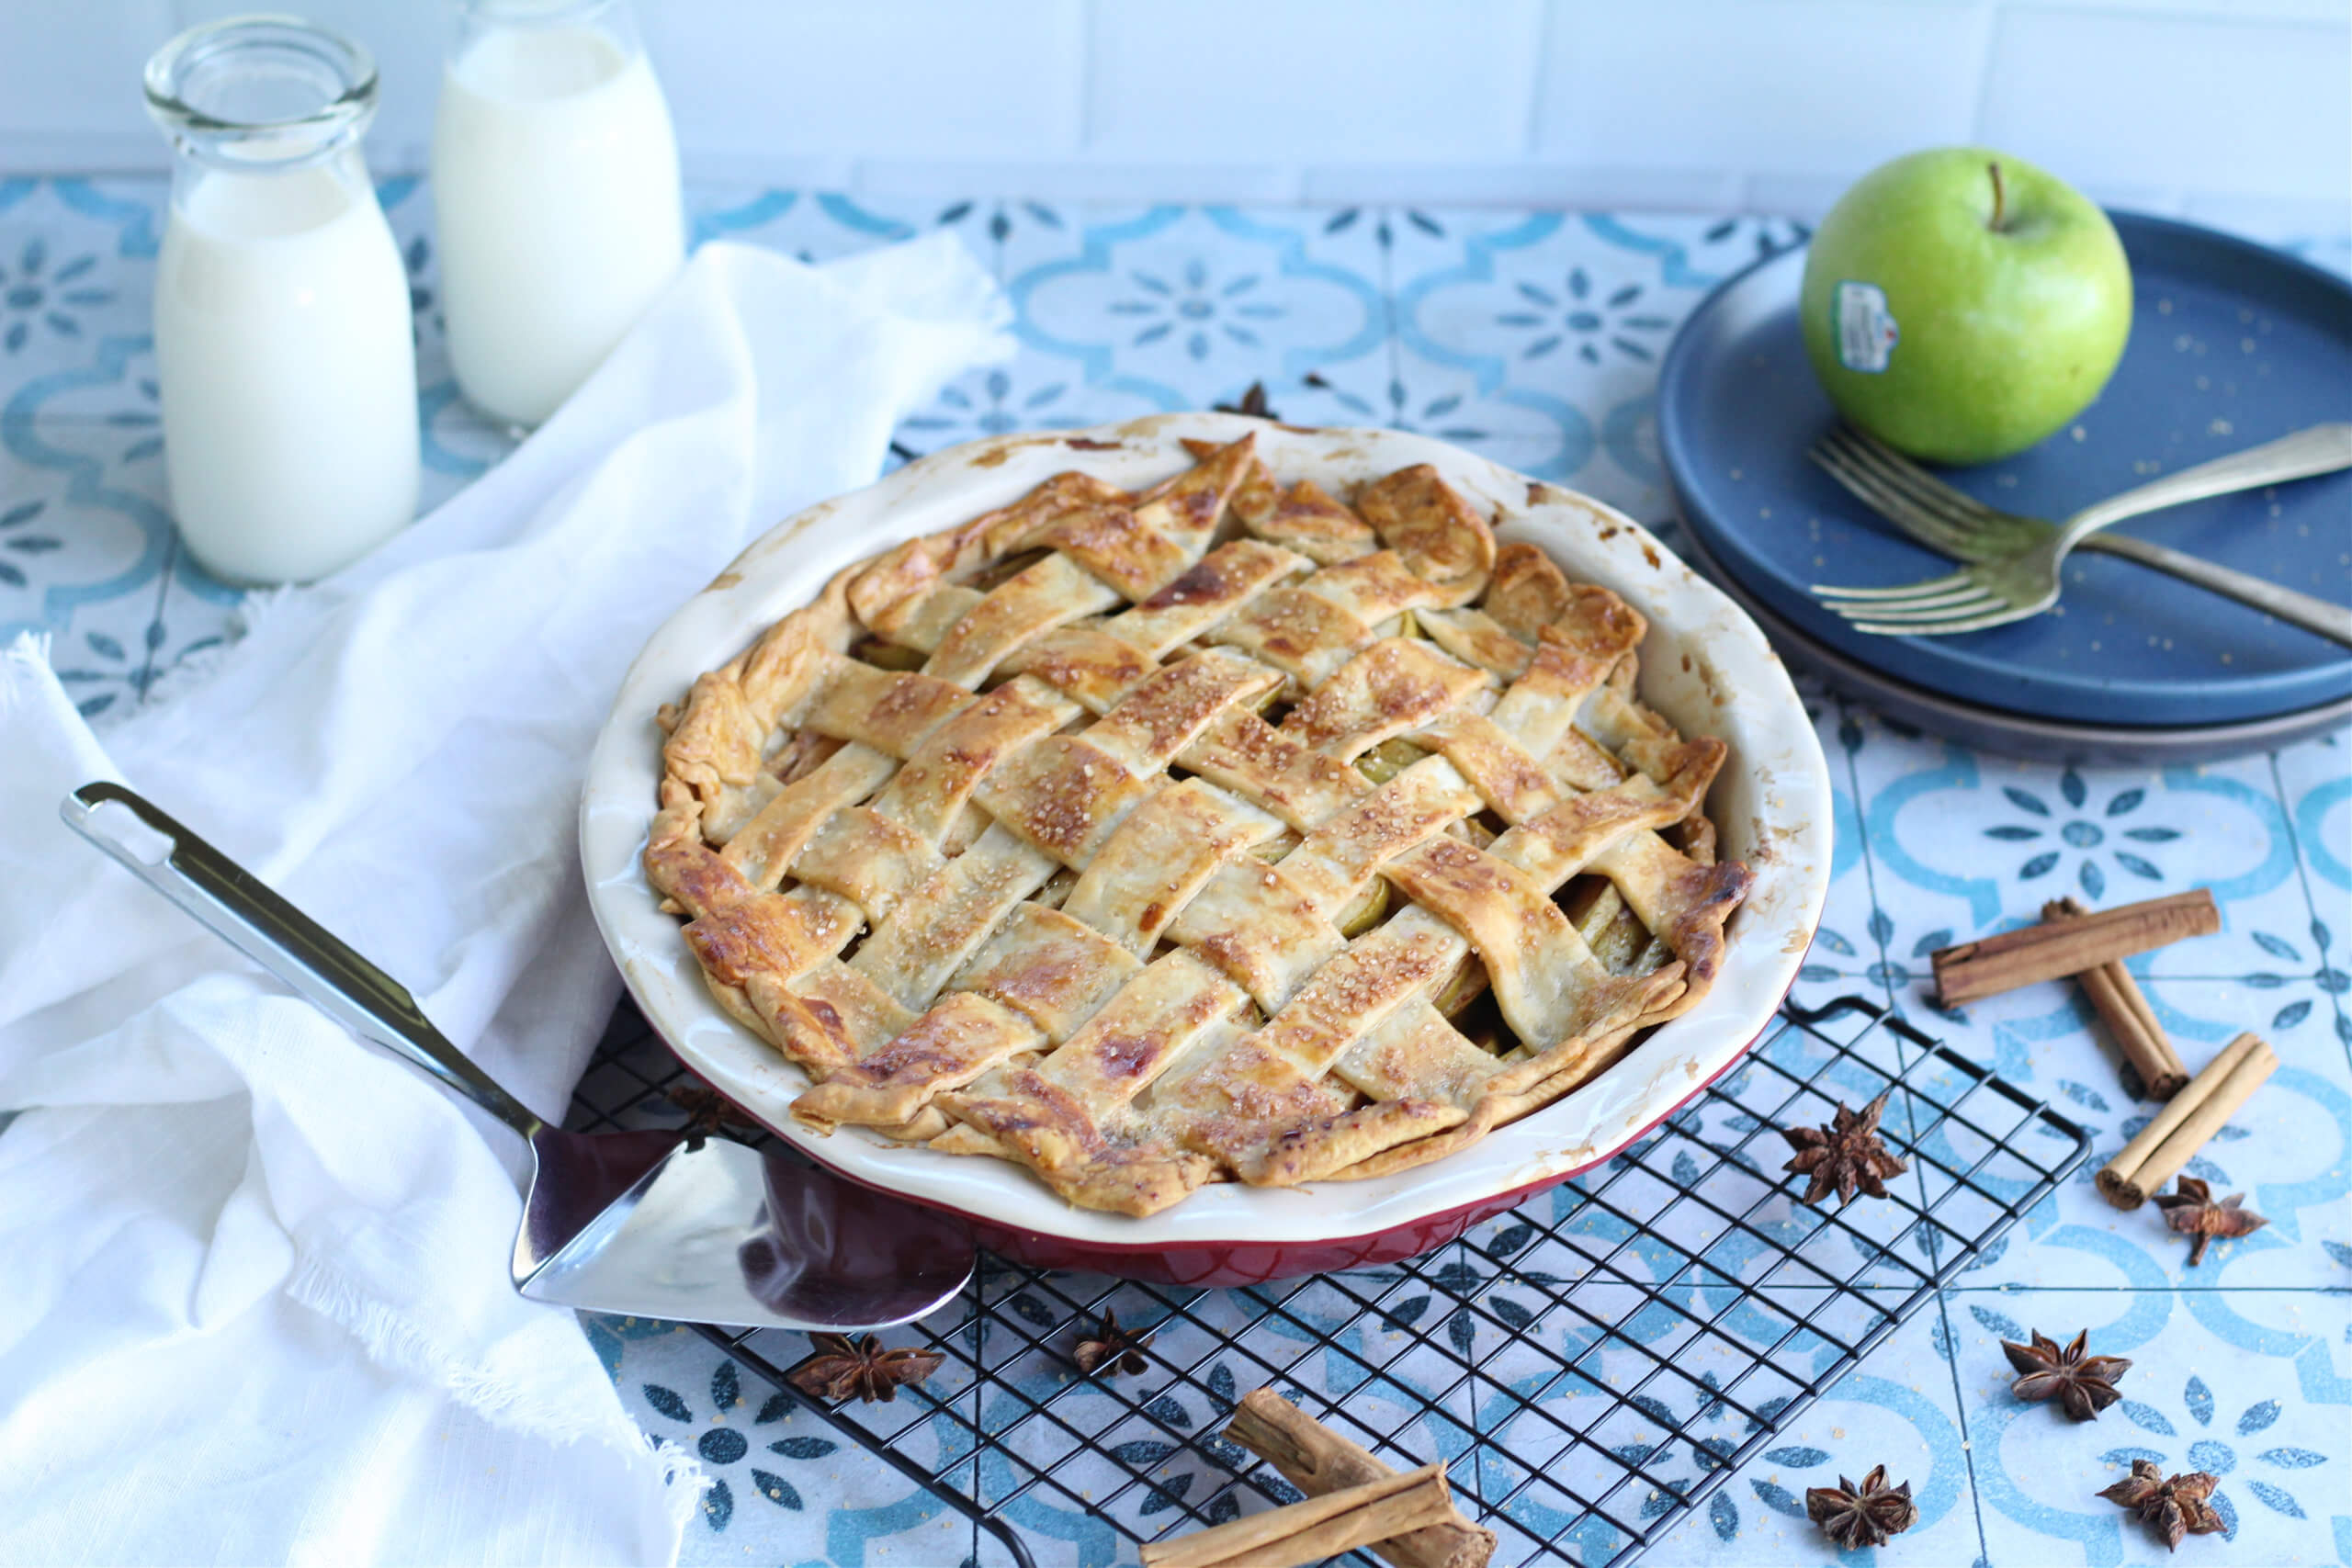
(2190, 1210)
(842, 1368)
(2176, 1507)
(1856, 1516)
(2082, 1382)
(1121, 1350)
(1846, 1155)
(1254, 402)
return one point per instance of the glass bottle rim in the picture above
(532, 13)
(344, 76)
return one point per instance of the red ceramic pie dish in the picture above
(1704, 666)
(1226, 1262)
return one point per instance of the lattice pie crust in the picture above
(1221, 831)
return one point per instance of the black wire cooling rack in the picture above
(1588, 1366)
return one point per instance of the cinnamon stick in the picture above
(2124, 1008)
(1318, 1461)
(2188, 1123)
(1968, 970)
(1319, 1527)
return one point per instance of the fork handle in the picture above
(2321, 449)
(2312, 614)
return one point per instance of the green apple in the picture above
(1962, 304)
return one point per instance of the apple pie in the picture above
(1229, 830)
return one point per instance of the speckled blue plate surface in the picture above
(2231, 345)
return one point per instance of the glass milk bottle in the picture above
(555, 190)
(283, 340)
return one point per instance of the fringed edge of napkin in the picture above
(193, 673)
(393, 1340)
(25, 658)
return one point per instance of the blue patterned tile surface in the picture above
(1534, 337)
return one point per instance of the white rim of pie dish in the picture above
(1704, 665)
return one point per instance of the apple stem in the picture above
(1994, 169)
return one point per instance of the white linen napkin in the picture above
(254, 1299)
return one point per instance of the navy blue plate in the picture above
(2039, 739)
(2231, 345)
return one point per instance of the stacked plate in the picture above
(2233, 344)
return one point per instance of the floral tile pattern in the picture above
(2267, 1426)
(1533, 337)
(70, 272)
(1187, 305)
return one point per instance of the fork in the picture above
(2013, 560)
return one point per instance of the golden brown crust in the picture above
(1304, 518)
(1528, 592)
(1425, 521)
(994, 841)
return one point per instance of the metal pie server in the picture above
(664, 1225)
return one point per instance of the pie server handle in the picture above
(645, 1223)
(241, 909)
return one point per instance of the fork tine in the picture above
(1931, 605)
(1900, 590)
(1954, 505)
(1925, 510)
(1946, 628)
(1924, 615)
(1927, 528)
(1916, 485)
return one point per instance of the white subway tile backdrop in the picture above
(2199, 107)
(1312, 81)
(870, 78)
(2214, 103)
(1810, 85)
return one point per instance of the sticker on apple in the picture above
(1866, 329)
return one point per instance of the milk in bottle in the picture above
(283, 342)
(555, 189)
